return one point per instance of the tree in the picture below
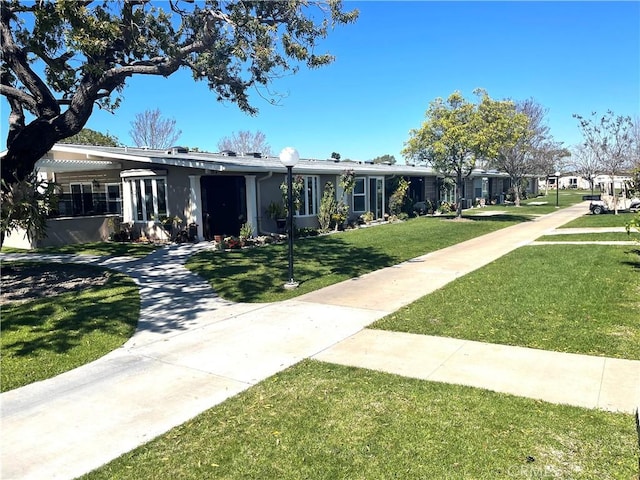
(61, 59)
(585, 164)
(386, 159)
(515, 143)
(522, 142)
(610, 140)
(149, 129)
(88, 49)
(86, 136)
(335, 156)
(451, 138)
(245, 141)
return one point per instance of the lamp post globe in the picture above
(289, 158)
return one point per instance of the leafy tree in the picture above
(88, 49)
(61, 59)
(149, 129)
(86, 136)
(386, 159)
(452, 137)
(245, 141)
(335, 155)
(610, 140)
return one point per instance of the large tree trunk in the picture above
(26, 149)
(516, 193)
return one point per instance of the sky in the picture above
(571, 57)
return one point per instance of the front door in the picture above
(224, 205)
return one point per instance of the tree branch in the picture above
(16, 59)
(18, 95)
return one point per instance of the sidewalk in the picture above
(193, 350)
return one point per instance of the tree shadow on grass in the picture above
(255, 274)
(635, 264)
(500, 218)
(66, 321)
(114, 249)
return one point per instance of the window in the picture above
(114, 198)
(359, 195)
(481, 187)
(149, 198)
(309, 197)
(448, 194)
(81, 198)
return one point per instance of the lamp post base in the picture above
(290, 285)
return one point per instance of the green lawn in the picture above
(531, 206)
(258, 275)
(606, 220)
(44, 337)
(115, 249)
(567, 298)
(323, 421)
(590, 237)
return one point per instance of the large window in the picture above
(309, 197)
(149, 198)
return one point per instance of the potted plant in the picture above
(275, 211)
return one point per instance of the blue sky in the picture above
(572, 57)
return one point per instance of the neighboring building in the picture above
(218, 192)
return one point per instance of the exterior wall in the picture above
(65, 231)
(268, 190)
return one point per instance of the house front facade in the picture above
(215, 193)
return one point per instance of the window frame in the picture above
(311, 189)
(140, 202)
(360, 195)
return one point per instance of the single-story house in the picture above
(218, 192)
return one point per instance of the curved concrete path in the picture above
(193, 350)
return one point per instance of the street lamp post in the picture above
(289, 157)
(557, 189)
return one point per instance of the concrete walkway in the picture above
(193, 350)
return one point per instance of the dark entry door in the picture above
(224, 205)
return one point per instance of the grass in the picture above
(45, 337)
(606, 220)
(323, 421)
(567, 298)
(529, 206)
(94, 248)
(258, 275)
(590, 237)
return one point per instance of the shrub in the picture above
(327, 207)
(399, 198)
(246, 231)
(367, 217)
